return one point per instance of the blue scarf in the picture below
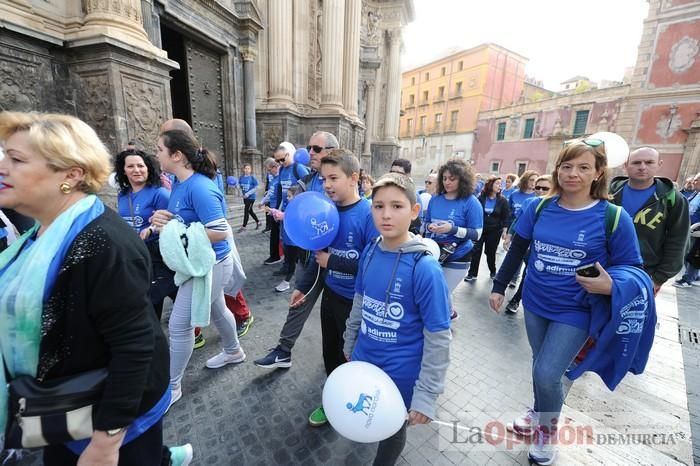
(28, 271)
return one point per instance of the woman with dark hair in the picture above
(568, 230)
(496, 214)
(196, 198)
(454, 220)
(140, 194)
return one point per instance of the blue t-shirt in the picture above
(489, 205)
(198, 199)
(634, 199)
(516, 200)
(694, 208)
(508, 192)
(316, 184)
(391, 330)
(288, 179)
(466, 212)
(272, 183)
(478, 188)
(562, 240)
(143, 203)
(355, 232)
(248, 184)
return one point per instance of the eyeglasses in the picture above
(318, 149)
(541, 188)
(590, 142)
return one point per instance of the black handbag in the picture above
(53, 411)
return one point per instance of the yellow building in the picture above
(440, 101)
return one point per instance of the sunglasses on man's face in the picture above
(541, 188)
(318, 149)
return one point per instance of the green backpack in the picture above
(612, 215)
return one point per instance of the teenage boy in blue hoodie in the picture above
(340, 171)
(400, 318)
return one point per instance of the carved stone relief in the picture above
(370, 34)
(272, 135)
(96, 105)
(143, 102)
(18, 86)
(683, 53)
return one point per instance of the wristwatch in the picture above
(114, 432)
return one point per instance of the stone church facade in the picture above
(125, 66)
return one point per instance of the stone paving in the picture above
(246, 415)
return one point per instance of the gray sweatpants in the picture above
(296, 317)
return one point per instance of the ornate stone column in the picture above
(369, 122)
(351, 62)
(124, 15)
(151, 22)
(393, 87)
(249, 92)
(332, 54)
(280, 51)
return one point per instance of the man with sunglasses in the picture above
(306, 292)
(659, 212)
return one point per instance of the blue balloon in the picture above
(232, 181)
(302, 156)
(311, 221)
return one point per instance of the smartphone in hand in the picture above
(589, 270)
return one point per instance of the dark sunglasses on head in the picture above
(318, 149)
(541, 188)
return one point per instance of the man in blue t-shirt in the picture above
(659, 212)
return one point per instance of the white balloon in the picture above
(112, 181)
(616, 147)
(432, 247)
(362, 403)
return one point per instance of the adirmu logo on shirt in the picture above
(557, 260)
(379, 314)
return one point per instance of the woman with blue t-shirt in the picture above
(196, 198)
(249, 185)
(496, 214)
(454, 220)
(140, 194)
(565, 232)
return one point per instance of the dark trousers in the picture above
(390, 449)
(335, 310)
(275, 240)
(292, 254)
(248, 211)
(268, 222)
(519, 294)
(297, 317)
(488, 242)
(147, 449)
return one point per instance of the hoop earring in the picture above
(65, 188)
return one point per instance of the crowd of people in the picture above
(83, 287)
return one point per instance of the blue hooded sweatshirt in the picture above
(622, 326)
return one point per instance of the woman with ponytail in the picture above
(196, 198)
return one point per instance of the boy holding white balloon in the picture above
(340, 171)
(400, 318)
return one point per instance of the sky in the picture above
(562, 38)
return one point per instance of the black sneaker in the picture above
(276, 358)
(512, 306)
(469, 278)
(272, 260)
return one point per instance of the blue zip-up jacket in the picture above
(622, 326)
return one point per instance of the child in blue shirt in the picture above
(249, 185)
(340, 171)
(400, 318)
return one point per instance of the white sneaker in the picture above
(283, 286)
(223, 358)
(175, 395)
(543, 450)
(526, 424)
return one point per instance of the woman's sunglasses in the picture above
(318, 149)
(590, 142)
(541, 188)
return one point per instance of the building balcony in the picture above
(456, 95)
(424, 102)
(410, 105)
(451, 129)
(438, 99)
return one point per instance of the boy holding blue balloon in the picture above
(340, 171)
(400, 318)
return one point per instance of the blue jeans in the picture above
(690, 274)
(554, 346)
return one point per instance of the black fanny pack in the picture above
(53, 411)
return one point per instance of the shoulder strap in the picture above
(612, 219)
(295, 170)
(541, 205)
